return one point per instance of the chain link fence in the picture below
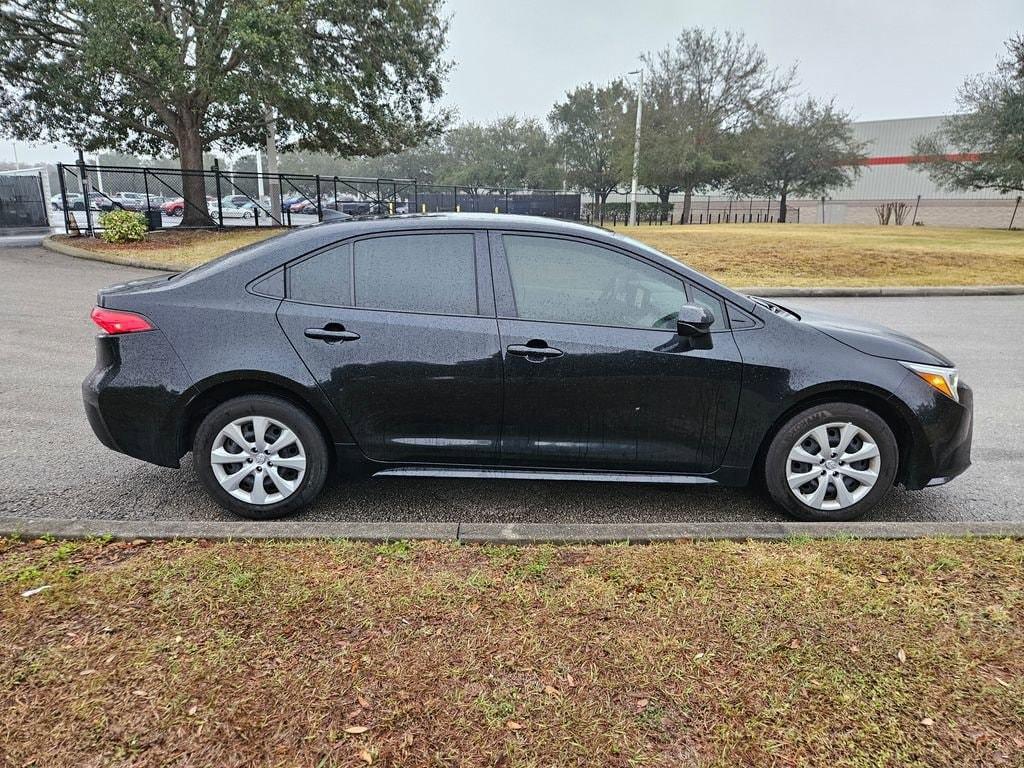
(215, 198)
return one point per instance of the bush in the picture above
(123, 226)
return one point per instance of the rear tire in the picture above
(831, 462)
(282, 458)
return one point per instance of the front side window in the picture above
(413, 273)
(571, 282)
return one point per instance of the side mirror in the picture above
(694, 320)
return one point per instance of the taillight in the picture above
(114, 321)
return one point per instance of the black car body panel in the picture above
(401, 388)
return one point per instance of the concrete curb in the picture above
(496, 533)
(919, 290)
(50, 243)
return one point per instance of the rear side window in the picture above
(433, 273)
(417, 273)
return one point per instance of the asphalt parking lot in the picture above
(54, 467)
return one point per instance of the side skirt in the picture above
(546, 474)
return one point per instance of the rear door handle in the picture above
(332, 333)
(536, 351)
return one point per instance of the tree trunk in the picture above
(782, 207)
(687, 202)
(196, 213)
(604, 201)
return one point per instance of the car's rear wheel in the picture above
(831, 462)
(260, 457)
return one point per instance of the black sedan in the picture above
(492, 346)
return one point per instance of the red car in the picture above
(176, 207)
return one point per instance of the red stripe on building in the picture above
(964, 157)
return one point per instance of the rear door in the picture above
(596, 376)
(399, 329)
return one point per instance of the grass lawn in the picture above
(825, 653)
(739, 255)
(748, 255)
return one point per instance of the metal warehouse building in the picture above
(888, 176)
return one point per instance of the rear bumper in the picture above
(942, 447)
(133, 396)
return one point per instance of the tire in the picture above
(865, 481)
(275, 415)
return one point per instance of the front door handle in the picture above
(535, 350)
(332, 333)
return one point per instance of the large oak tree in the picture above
(594, 133)
(983, 148)
(148, 76)
(702, 91)
(806, 150)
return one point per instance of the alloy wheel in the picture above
(833, 466)
(258, 460)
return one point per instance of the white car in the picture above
(229, 211)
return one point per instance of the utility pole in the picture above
(273, 182)
(259, 175)
(636, 147)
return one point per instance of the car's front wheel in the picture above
(260, 457)
(831, 462)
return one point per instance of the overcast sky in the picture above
(879, 58)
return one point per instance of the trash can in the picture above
(154, 219)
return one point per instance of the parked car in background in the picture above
(229, 211)
(481, 345)
(176, 206)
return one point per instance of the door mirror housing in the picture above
(694, 320)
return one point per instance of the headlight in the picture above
(942, 379)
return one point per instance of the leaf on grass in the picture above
(881, 579)
(356, 729)
(550, 690)
(35, 590)
(642, 703)
(512, 725)
(192, 710)
(927, 721)
(699, 656)
(1002, 683)
(365, 756)
(794, 643)
(363, 702)
(902, 656)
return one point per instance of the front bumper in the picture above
(133, 396)
(942, 437)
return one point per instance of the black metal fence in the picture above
(249, 199)
(22, 202)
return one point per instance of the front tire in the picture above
(831, 462)
(260, 457)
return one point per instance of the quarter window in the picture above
(571, 282)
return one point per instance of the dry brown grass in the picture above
(746, 255)
(740, 255)
(838, 653)
(180, 249)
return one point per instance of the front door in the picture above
(400, 332)
(596, 376)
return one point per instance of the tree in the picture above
(700, 93)
(148, 76)
(805, 151)
(984, 147)
(509, 153)
(591, 131)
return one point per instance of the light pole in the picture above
(636, 146)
